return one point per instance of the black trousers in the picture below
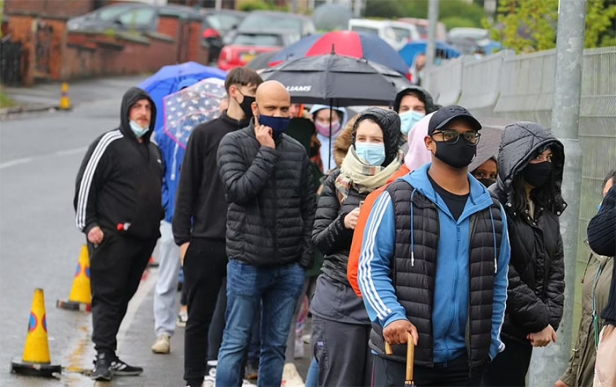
(509, 368)
(389, 373)
(116, 268)
(205, 267)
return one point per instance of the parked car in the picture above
(130, 16)
(271, 20)
(422, 27)
(396, 34)
(217, 24)
(248, 44)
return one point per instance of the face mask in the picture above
(324, 130)
(458, 155)
(487, 182)
(537, 174)
(137, 129)
(373, 154)
(408, 120)
(246, 105)
(279, 125)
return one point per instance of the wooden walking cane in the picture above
(410, 358)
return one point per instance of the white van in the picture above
(396, 34)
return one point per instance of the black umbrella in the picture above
(341, 80)
(261, 61)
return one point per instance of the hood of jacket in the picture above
(487, 148)
(131, 96)
(389, 121)
(520, 143)
(417, 154)
(343, 112)
(427, 99)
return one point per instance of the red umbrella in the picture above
(347, 43)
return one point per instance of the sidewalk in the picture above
(163, 370)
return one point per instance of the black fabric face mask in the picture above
(487, 182)
(246, 106)
(458, 155)
(537, 174)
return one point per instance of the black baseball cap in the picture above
(445, 114)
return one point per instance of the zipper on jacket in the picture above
(275, 224)
(467, 331)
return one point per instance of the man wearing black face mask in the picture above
(268, 182)
(199, 219)
(442, 238)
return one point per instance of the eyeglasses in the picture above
(452, 136)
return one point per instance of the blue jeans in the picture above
(312, 379)
(277, 289)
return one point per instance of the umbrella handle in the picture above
(410, 359)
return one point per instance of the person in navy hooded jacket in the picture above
(434, 264)
(165, 309)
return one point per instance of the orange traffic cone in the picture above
(36, 360)
(80, 297)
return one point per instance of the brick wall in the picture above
(66, 8)
(82, 54)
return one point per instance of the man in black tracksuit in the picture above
(199, 221)
(118, 206)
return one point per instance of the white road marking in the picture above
(13, 163)
(26, 160)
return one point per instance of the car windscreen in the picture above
(366, 30)
(402, 34)
(258, 40)
(259, 21)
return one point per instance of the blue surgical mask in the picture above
(373, 154)
(408, 120)
(278, 124)
(137, 129)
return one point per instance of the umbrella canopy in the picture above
(262, 60)
(348, 43)
(192, 106)
(167, 79)
(339, 80)
(411, 50)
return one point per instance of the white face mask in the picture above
(408, 120)
(137, 129)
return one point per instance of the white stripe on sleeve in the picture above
(88, 175)
(367, 256)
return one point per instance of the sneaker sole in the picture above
(101, 378)
(124, 373)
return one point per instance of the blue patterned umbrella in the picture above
(192, 106)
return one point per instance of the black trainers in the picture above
(119, 368)
(101, 370)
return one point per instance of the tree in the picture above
(383, 8)
(530, 25)
(453, 13)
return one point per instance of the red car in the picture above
(247, 45)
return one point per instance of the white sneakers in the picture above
(162, 344)
(290, 376)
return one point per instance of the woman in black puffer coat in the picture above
(340, 325)
(530, 171)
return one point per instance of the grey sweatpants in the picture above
(342, 353)
(165, 309)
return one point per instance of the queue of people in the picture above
(423, 232)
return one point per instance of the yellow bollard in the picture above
(80, 297)
(65, 100)
(36, 360)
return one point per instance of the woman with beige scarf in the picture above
(340, 325)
